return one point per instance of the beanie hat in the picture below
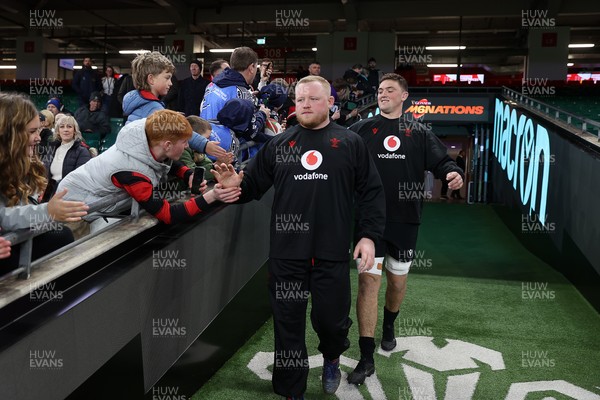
(236, 114)
(96, 96)
(273, 95)
(56, 102)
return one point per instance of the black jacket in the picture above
(403, 150)
(317, 175)
(191, 94)
(85, 82)
(76, 156)
(95, 121)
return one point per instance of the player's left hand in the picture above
(454, 180)
(365, 248)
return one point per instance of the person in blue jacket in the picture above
(152, 74)
(234, 83)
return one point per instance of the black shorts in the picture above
(399, 241)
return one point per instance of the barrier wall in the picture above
(552, 185)
(168, 290)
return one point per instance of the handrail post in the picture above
(25, 258)
(135, 210)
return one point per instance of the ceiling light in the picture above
(8, 67)
(221, 50)
(314, 49)
(133, 51)
(443, 65)
(79, 67)
(581, 45)
(445, 47)
(570, 64)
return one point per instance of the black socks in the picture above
(367, 347)
(388, 324)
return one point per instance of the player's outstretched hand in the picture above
(226, 175)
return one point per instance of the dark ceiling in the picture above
(492, 31)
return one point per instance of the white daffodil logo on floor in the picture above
(421, 351)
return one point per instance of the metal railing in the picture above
(573, 121)
(25, 236)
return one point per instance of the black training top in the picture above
(316, 175)
(403, 150)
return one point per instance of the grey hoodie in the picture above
(22, 216)
(92, 181)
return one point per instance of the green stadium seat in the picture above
(92, 139)
(108, 141)
(116, 124)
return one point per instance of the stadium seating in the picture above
(115, 126)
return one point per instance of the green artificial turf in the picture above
(472, 282)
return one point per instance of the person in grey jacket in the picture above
(23, 180)
(146, 151)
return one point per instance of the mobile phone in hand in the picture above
(197, 179)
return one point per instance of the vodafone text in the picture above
(310, 176)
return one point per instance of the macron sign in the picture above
(522, 148)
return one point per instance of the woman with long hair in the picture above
(66, 153)
(108, 88)
(23, 180)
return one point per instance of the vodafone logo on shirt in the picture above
(311, 160)
(391, 144)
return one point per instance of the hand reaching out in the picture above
(226, 175)
(4, 248)
(213, 149)
(66, 211)
(226, 159)
(228, 195)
